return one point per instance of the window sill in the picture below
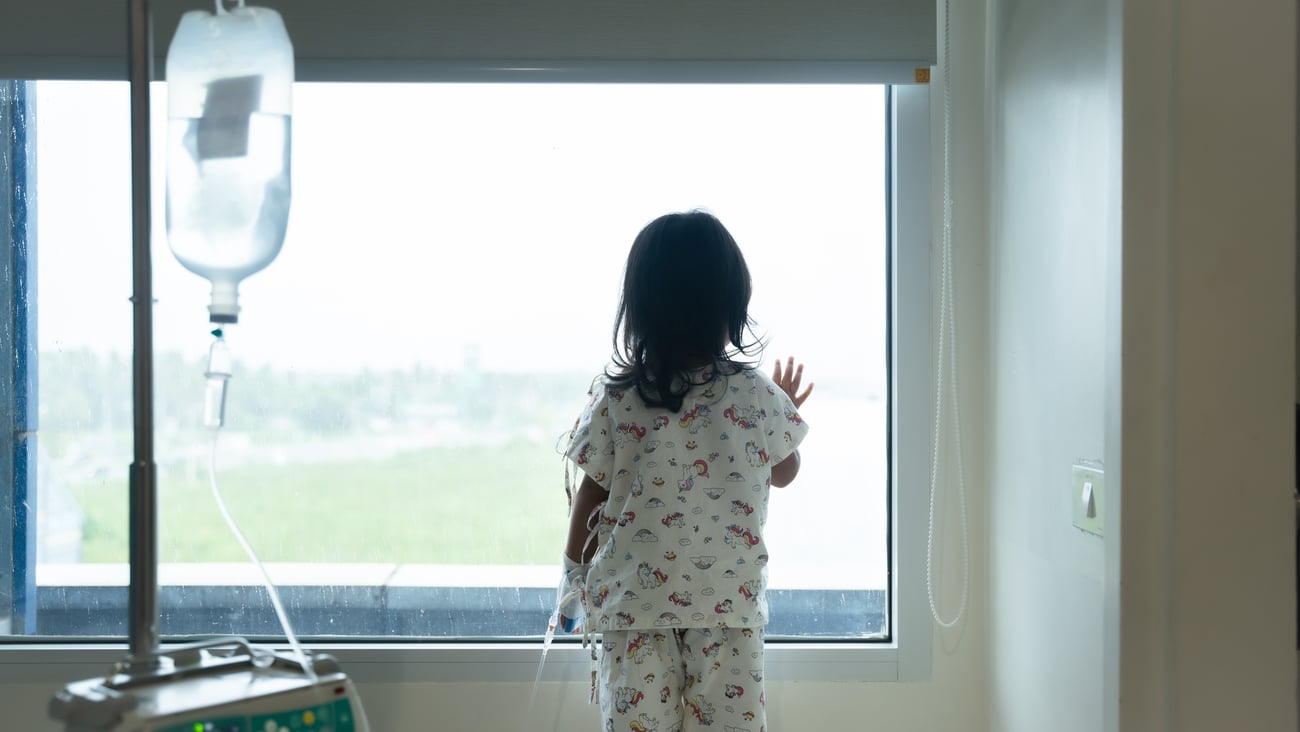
(468, 662)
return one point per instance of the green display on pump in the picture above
(336, 717)
(225, 724)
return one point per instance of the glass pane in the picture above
(405, 368)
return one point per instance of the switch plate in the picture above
(1087, 496)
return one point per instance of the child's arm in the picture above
(590, 495)
(784, 472)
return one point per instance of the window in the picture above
(405, 367)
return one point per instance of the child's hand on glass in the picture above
(790, 379)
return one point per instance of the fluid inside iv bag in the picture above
(229, 86)
(227, 213)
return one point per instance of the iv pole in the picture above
(143, 603)
(148, 686)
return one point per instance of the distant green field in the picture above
(488, 505)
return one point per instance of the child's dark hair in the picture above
(685, 305)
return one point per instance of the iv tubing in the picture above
(587, 635)
(252, 555)
(947, 332)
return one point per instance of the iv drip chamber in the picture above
(220, 366)
(229, 113)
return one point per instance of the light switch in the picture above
(1088, 496)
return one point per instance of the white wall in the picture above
(1141, 310)
(1052, 121)
(1201, 585)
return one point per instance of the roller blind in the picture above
(375, 40)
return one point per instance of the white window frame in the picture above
(907, 657)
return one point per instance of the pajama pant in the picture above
(681, 680)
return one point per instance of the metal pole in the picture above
(143, 486)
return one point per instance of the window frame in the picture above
(905, 657)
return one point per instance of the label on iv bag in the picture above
(227, 108)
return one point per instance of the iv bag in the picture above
(229, 109)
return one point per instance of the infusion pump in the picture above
(224, 685)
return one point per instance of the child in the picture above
(678, 446)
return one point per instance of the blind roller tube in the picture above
(400, 40)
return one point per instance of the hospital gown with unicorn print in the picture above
(680, 539)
